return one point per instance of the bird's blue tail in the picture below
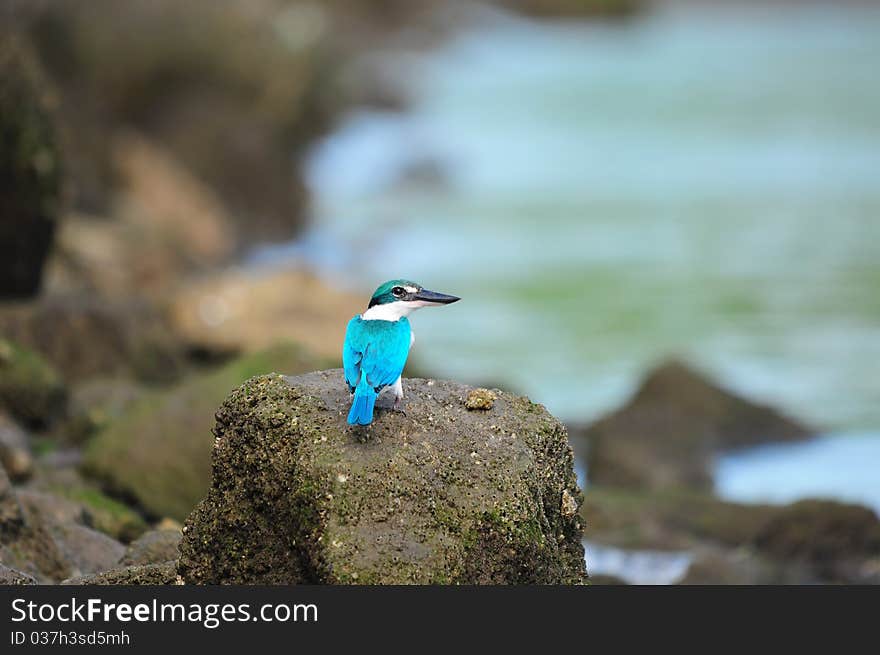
(361, 412)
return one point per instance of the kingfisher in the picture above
(377, 344)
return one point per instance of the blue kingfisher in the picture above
(377, 344)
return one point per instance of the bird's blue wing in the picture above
(378, 348)
(386, 353)
(353, 352)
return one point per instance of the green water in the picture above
(703, 183)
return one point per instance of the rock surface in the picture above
(667, 434)
(25, 542)
(153, 547)
(151, 574)
(10, 576)
(439, 495)
(82, 549)
(50, 538)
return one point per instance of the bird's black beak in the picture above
(435, 298)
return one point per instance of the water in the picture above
(844, 467)
(702, 182)
(644, 567)
(699, 182)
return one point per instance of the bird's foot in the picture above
(396, 407)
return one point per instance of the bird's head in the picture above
(397, 298)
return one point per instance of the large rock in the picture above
(158, 451)
(668, 433)
(30, 180)
(442, 494)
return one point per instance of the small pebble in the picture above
(480, 399)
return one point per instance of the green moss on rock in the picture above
(30, 389)
(158, 452)
(106, 514)
(439, 495)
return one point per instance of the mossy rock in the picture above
(30, 389)
(106, 514)
(30, 177)
(438, 495)
(820, 532)
(670, 519)
(158, 453)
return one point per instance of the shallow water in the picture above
(699, 182)
(645, 567)
(844, 467)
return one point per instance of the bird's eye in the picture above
(398, 292)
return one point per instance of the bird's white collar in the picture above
(394, 311)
